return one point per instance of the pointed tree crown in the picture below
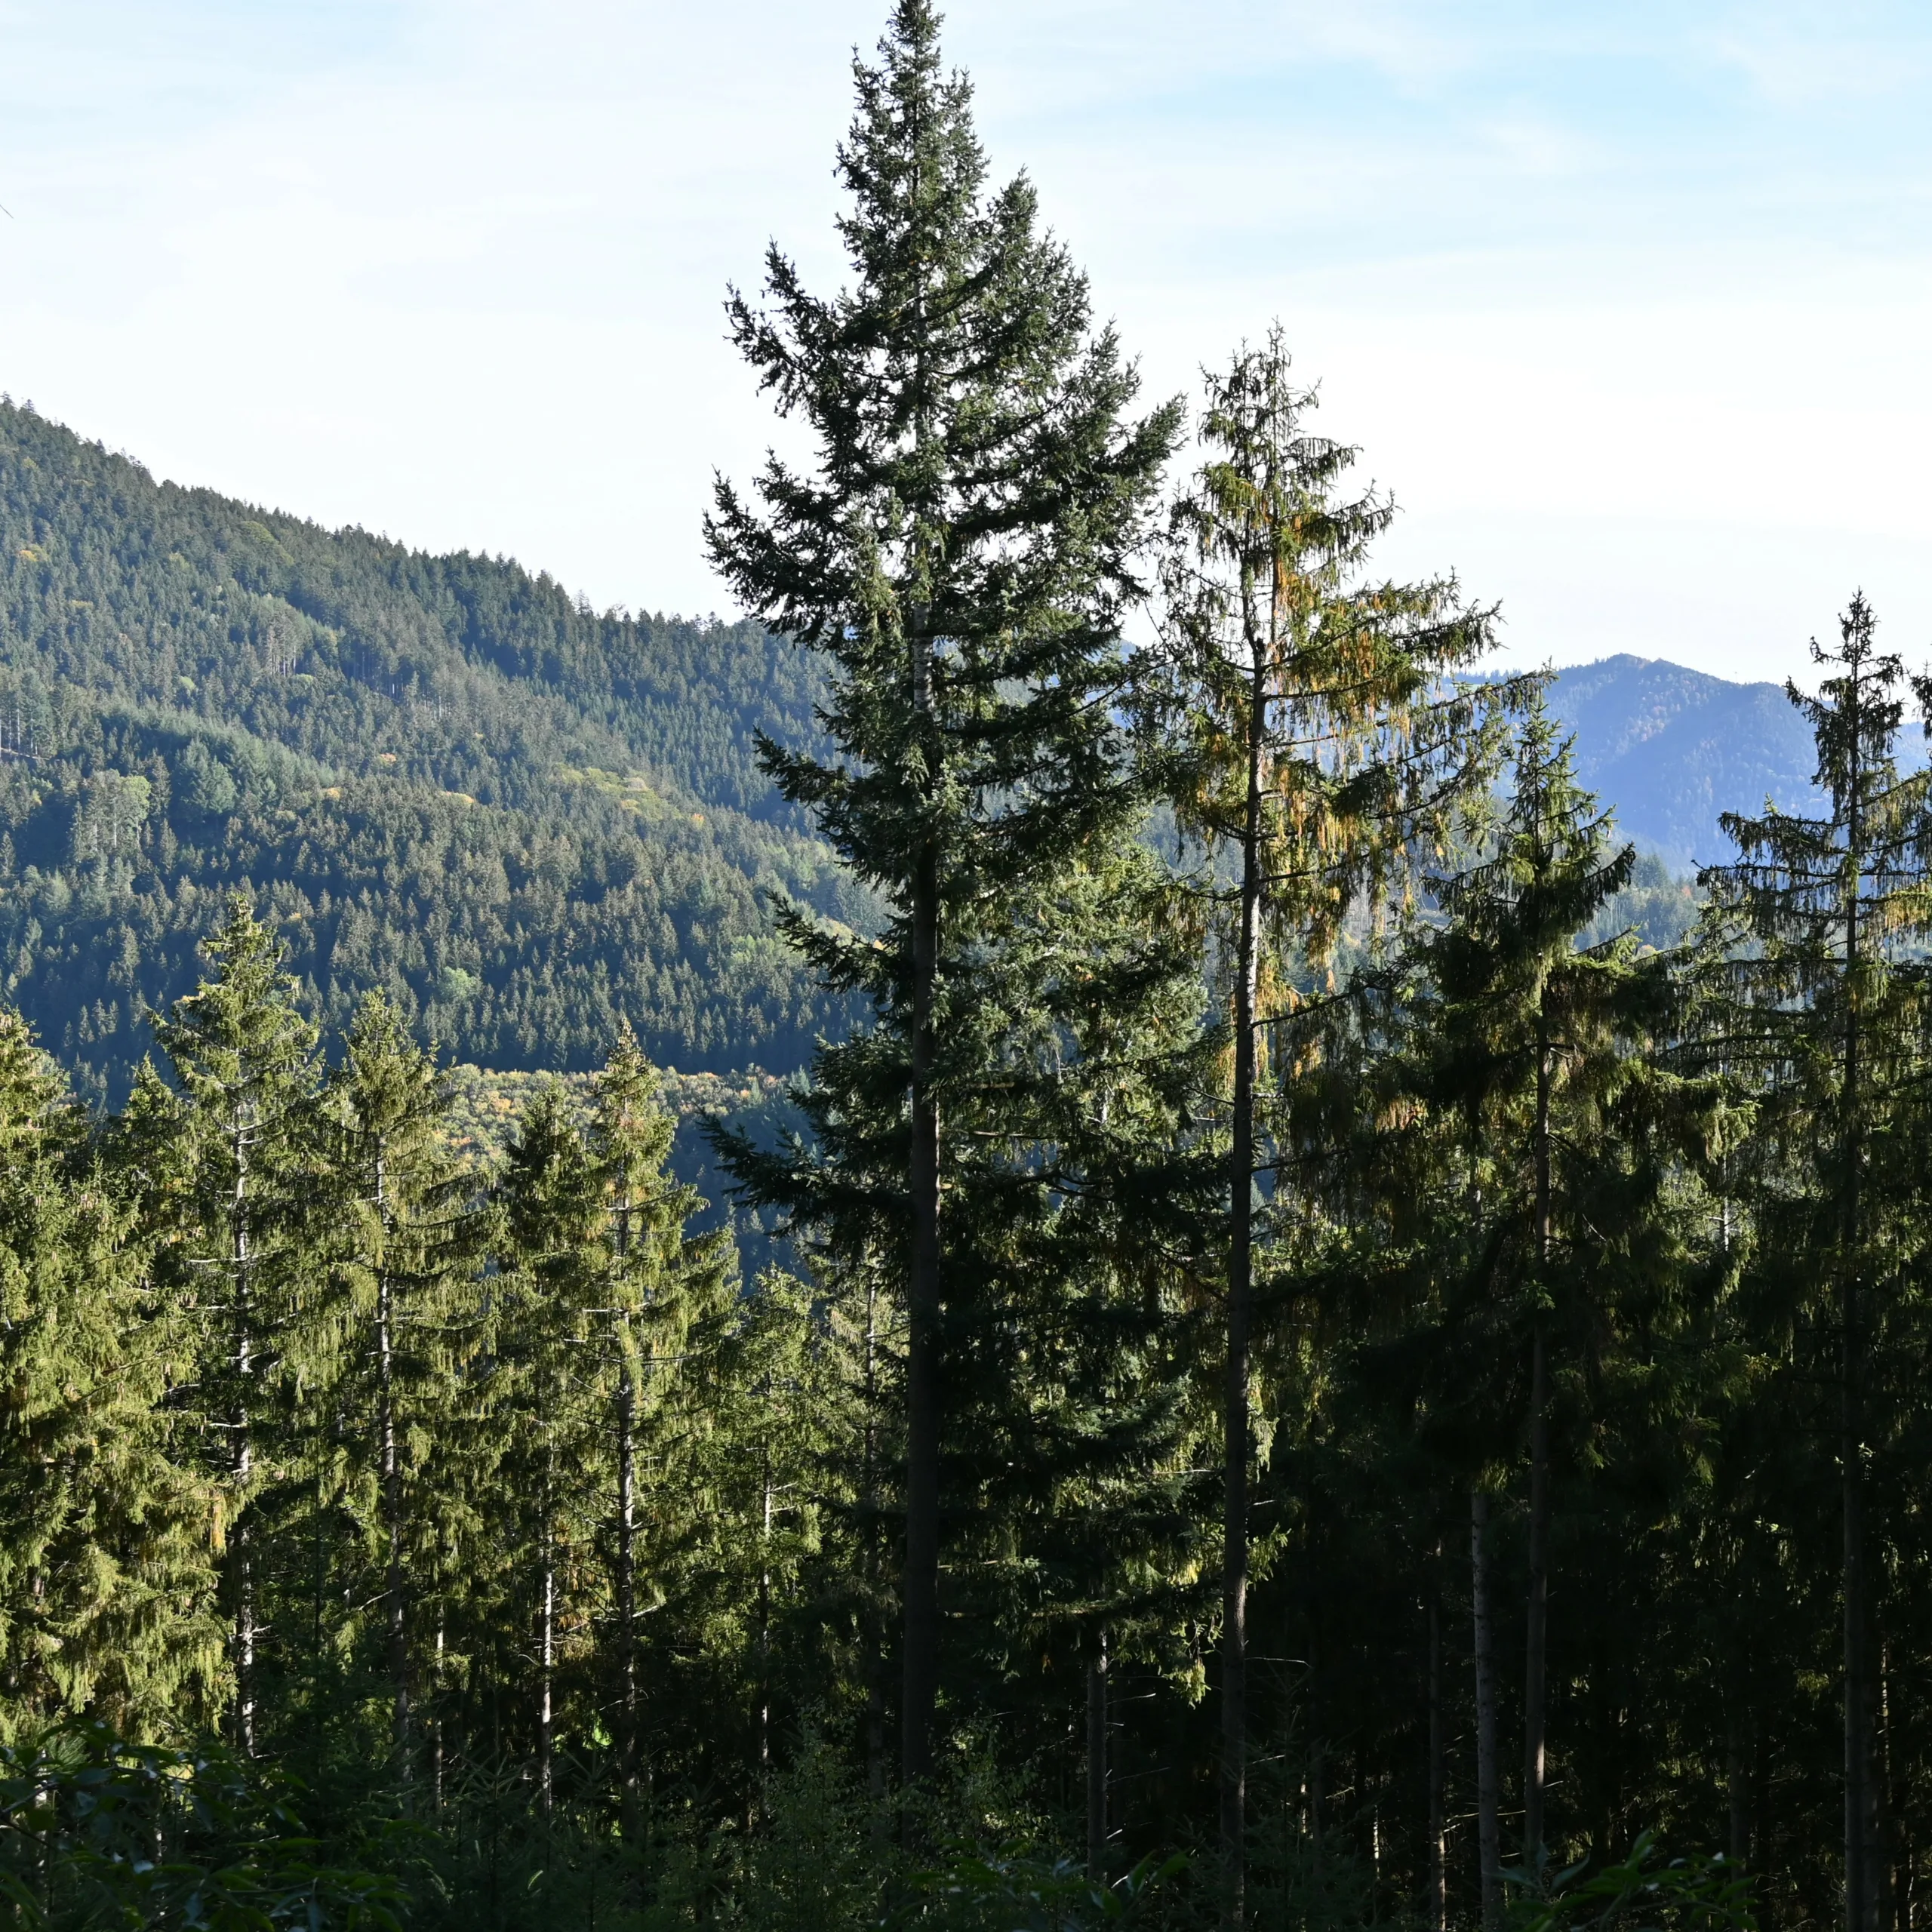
(1282, 664)
(962, 545)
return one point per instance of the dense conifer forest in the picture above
(1335, 1349)
(438, 775)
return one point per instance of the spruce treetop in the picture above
(963, 545)
(1296, 703)
(1797, 876)
(238, 1043)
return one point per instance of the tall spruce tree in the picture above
(659, 1281)
(1507, 1178)
(1309, 733)
(107, 1576)
(1823, 1028)
(1531, 1046)
(405, 1238)
(961, 551)
(232, 1134)
(544, 1339)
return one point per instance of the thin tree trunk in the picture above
(628, 1747)
(1893, 1908)
(1737, 1780)
(392, 1476)
(1235, 1394)
(1861, 1849)
(1535, 1669)
(875, 1634)
(1860, 1893)
(764, 1620)
(1096, 1760)
(1318, 1793)
(924, 1309)
(240, 1542)
(546, 1654)
(244, 1628)
(1489, 1840)
(1438, 1870)
(436, 1722)
(1534, 1676)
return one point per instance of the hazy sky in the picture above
(1629, 303)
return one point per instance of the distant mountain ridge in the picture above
(1670, 749)
(527, 819)
(443, 776)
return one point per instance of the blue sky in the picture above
(1628, 304)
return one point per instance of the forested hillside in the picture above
(443, 776)
(1675, 748)
(524, 819)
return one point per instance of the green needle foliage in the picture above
(659, 1286)
(601, 1299)
(233, 1134)
(546, 1340)
(961, 550)
(403, 1236)
(1819, 1018)
(1308, 728)
(106, 1566)
(1535, 1054)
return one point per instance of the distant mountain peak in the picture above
(1670, 749)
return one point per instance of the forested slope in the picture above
(1674, 748)
(442, 774)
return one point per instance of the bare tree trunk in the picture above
(1535, 1668)
(1438, 1870)
(244, 1628)
(875, 1622)
(628, 1750)
(1318, 1793)
(1234, 1394)
(1535, 1675)
(1489, 1839)
(392, 1476)
(1096, 1760)
(764, 1621)
(436, 1725)
(1887, 1868)
(1862, 1852)
(547, 1655)
(1737, 1781)
(242, 1553)
(630, 1743)
(924, 1306)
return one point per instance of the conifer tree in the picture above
(767, 1384)
(1309, 733)
(1531, 1046)
(244, 1062)
(405, 1239)
(1507, 1174)
(658, 1282)
(961, 551)
(1079, 1402)
(107, 1580)
(1823, 1028)
(555, 1405)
